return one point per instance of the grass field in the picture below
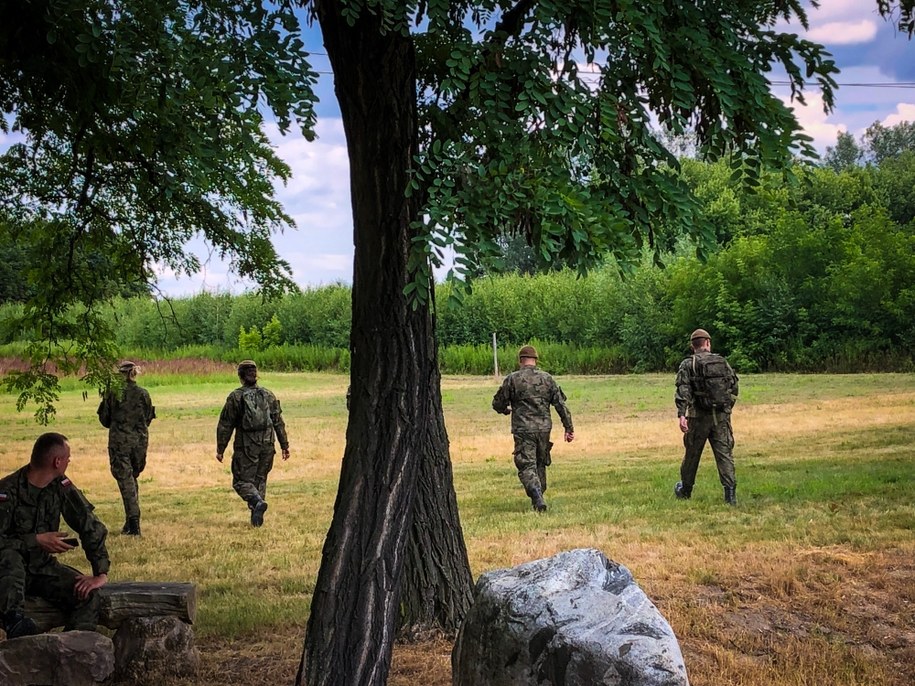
(811, 580)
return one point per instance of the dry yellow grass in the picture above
(782, 591)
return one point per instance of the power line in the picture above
(904, 85)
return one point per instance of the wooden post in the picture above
(495, 354)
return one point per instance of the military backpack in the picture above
(713, 380)
(256, 410)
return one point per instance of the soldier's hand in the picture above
(53, 542)
(569, 436)
(684, 424)
(286, 454)
(219, 457)
(85, 584)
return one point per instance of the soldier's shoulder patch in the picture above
(65, 483)
(4, 497)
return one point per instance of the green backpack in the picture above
(714, 380)
(256, 415)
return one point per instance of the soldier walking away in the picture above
(127, 413)
(527, 395)
(254, 414)
(32, 501)
(707, 389)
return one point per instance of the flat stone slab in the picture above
(123, 600)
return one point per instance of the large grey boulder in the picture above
(72, 658)
(574, 619)
(147, 648)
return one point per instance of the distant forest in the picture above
(813, 271)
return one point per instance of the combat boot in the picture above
(133, 526)
(16, 625)
(537, 502)
(258, 508)
(126, 527)
(730, 495)
(681, 492)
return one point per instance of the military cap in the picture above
(126, 366)
(527, 351)
(699, 333)
(246, 364)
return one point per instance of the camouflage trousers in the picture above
(716, 429)
(54, 582)
(250, 468)
(532, 457)
(127, 461)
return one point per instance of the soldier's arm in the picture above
(104, 411)
(228, 418)
(279, 426)
(558, 400)
(78, 514)
(150, 409)
(683, 396)
(501, 401)
(7, 540)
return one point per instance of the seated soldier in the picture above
(32, 501)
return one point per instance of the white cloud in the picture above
(905, 111)
(320, 249)
(844, 32)
(856, 108)
(837, 10)
(813, 121)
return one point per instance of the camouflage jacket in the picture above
(26, 510)
(127, 414)
(230, 419)
(683, 396)
(527, 395)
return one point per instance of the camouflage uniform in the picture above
(527, 394)
(252, 451)
(127, 416)
(713, 426)
(26, 569)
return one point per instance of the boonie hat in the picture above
(699, 333)
(246, 364)
(126, 366)
(528, 351)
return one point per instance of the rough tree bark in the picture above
(396, 416)
(437, 583)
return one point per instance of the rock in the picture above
(72, 658)
(149, 647)
(574, 619)
(121, 600)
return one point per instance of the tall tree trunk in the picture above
(395, 411)
(437, 584)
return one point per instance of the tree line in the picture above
(811, 272)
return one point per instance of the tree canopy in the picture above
(139, 125)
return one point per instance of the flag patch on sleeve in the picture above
(4, 497)
(66, 483)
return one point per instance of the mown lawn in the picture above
(811, 580)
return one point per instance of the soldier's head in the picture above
(700, 340)
(527, 356)
(51, 452)
(128, 369)
(247, 372)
